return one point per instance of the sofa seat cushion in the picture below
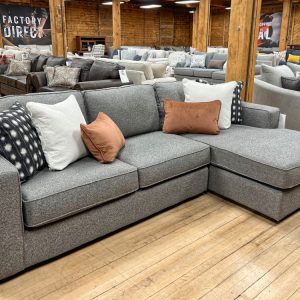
(218, 75)
(53, 89)
(51, 196)
(205, 73)
(159, 156)
(270, 156)
(184, 71)
(159, 80)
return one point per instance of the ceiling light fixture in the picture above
(228, 8)
(187, 1)
(149, 6)
(191, 11)
(110, 3)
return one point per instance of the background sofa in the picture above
(94, 74)
(210, 75)
(22, 84)
(55, 212)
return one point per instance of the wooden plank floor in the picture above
(207, 248)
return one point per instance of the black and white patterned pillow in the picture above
(19, 141)
(236, 107)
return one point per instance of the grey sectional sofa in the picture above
(210, 75)
(253, 164)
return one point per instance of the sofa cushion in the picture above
(132, 108)
(266, 155)
(273, 75)
(184, 71)
(42, 60)
(104, 70)
(159, 156)
(53, 61)
(139, 66)
(219, 75)
(167, 90)
(220, 56)
(205, 73)
(47, 98)
(82, 185)
(84, 65)
(34, 59)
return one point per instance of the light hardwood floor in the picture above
(207, 248)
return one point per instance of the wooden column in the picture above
(203, 25)
(195, 28)
(242, 44)
(116, 16)
(1, 39)
(285, 21)
(58, 27)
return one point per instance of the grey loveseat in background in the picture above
(55, 212)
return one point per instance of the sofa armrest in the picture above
(262, 116)
(38, 80)
(137, 77)
(11, 221)
(99, 84)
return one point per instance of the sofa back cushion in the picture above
(102, 70)
(138, 66)
(167, 90)
(85, 67)
(53, 61)
(34, 59)
(42, 60)
(47, 98)
(219, 56)
(132, 108)
(273, 75)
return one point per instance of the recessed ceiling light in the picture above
(187, 1)
(191, 11)
(151, 6)
(228, 8)
(110, 3)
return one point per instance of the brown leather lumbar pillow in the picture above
(103, 138)
(200, 117)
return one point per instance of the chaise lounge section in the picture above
(55, 212)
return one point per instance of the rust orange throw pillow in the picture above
(103, 138)
(183, 117)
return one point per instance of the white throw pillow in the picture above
(58, 127)
(201, 92)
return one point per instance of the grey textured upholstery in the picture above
(11, 221)
(84, 184)
(253, 114)
(133, 108)
(266, 155)
(47, 98)
(287, 101)
(219, 75)
(59, 237)
(262, 116)
(159, 156)
(184, 71)
(274, 203)
(204, 73)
